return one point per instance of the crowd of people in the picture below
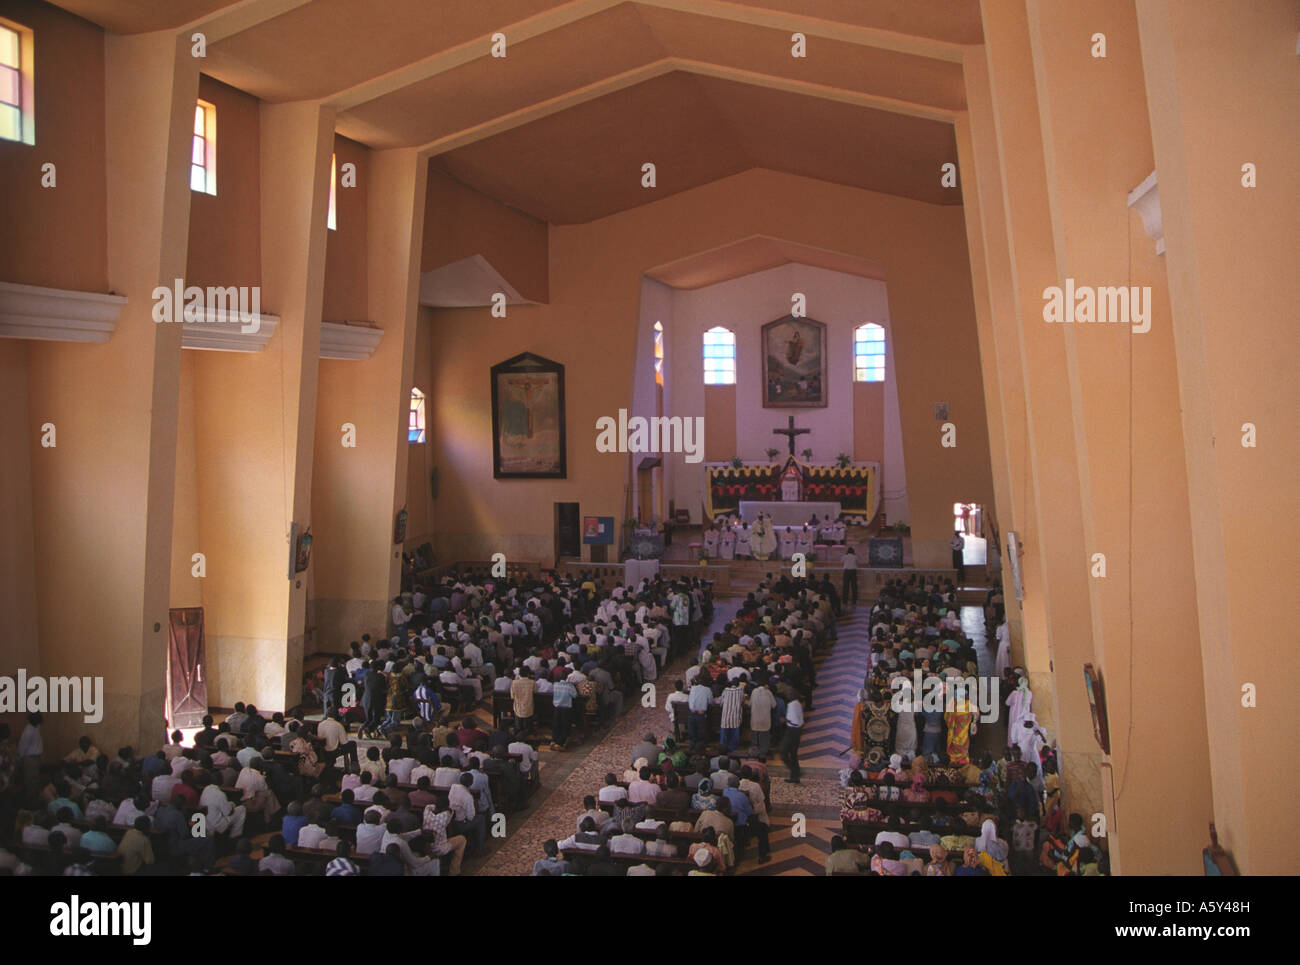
(692, 802)
(915, 794)
(398, 776)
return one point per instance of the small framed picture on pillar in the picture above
(399, 527)
(1097, 704)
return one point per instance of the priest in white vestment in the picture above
(764, 538)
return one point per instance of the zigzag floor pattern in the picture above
(815, 809)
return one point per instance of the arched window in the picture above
(719, 356)
(659, 354)
(415, 426)
(203, 149)
(332, 219)
(869, 353)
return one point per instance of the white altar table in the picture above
(787, 513)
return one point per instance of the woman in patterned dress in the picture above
(961, 724)
(877, 728)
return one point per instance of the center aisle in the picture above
(840, 673)
(826, 734)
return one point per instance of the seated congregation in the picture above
(400, 775)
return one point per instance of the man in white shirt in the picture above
(258, 797)
(465, 819)
(849, 590)
(401, 767)
(958, 545)
(678, 696)
(162, 786)
(643, 790)
(697, 702)
(222, 814)
(369, 834)
(130, 809)
(400, 617)
(627, 842)
(612, 792)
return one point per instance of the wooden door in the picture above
(187, 688)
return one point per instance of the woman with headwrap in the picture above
(704, 799)
(961, 724)
(992, 850)
(989, 843)
(917, 794)
(938, 866)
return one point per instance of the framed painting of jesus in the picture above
(528, 418)
(794, 363)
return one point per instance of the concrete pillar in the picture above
(1057, 548)
(102, 499)
(361, 489)
(1223, 91)
(255, 421)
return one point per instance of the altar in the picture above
(788, 513)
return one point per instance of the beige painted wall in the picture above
(869, 421)
(464, 223)
(345, 249)
(225, 244)
(56, 236)
(19, 619)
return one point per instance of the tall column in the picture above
(1124, 402)
(1058, 552)
(362, 487)
(255, 425)
(1004, 399)
(1001, 361)
(102, 498)
(1223, 92)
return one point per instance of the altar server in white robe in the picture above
(826, 531)
(787, 543)
(1020, 703)
(1004, 649)
(743, 548)
(837, 531)
(727, 544)
(803, 542)
(711, 543)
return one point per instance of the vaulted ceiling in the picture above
(590, 90)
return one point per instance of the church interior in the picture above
(555, 393)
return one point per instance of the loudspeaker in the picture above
(433, 484)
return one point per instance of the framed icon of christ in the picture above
(528, 418)
(794, 363)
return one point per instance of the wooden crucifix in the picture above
(790, 433)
